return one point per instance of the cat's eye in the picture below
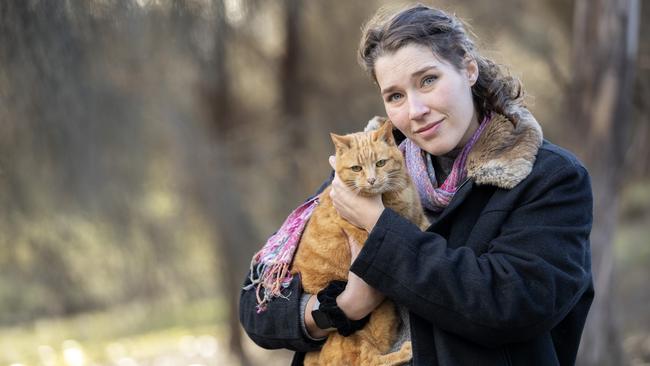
(356, 168)
(381, 163)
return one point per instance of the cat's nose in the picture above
(371, 181)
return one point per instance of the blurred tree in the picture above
(79, 161)
(605, 42)
(292, 100)
(218, 195)
(638, 154)
(290, 81)
(27, 156)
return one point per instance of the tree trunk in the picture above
(605, 44)
(221, 200)
(236, 233)
(292, 104)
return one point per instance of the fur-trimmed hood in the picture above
(505, 153)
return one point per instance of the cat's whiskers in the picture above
(392, 181)
(350, 183)
(394, 174)
(357, 190)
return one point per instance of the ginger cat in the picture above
(369, 163)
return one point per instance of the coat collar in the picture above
(502, 157)
(505, 152)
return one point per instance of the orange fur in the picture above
(323, 253)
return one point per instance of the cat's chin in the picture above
(371, 191)
(381, 189)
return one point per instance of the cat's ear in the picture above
(341, 142)
(384, 133)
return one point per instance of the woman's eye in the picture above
(356, 168)
(428, 80)
(381, 163)
(394, 97)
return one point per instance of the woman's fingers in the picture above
(332, 161)
(337, 185)
(336, 180)
(361, 212)
(355, 247)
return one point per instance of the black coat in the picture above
(502, 277)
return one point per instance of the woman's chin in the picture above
(435, 148)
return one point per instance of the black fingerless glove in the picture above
(327, 298)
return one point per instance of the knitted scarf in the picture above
(420, 168)
(269, 272)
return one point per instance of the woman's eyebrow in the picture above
(388, 90)
(414, 75)
(423, 70)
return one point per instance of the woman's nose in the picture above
(417, 107)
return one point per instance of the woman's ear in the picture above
(471, 68)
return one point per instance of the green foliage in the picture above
(97, 206)
(71, 263)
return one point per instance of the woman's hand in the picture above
(358, 299)
(362, 212)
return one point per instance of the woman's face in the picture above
(427, 99)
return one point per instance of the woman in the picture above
(503, 274)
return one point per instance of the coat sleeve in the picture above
(534, 272)
(279, 326)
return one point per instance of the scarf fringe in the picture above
(269, 269)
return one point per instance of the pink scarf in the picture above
(420, 168)
(269, 272)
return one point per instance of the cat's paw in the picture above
(374, 123)
(401, 357)
(407, 348)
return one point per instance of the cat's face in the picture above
(370, 162)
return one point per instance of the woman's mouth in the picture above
(429, 129)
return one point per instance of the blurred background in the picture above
(149, 147)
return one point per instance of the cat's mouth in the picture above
(372, 190)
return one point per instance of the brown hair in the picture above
(495, 89)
